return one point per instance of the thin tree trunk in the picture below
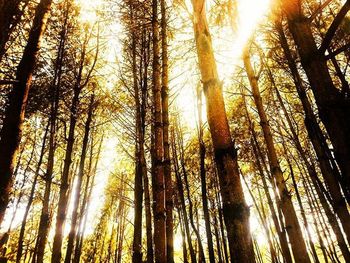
(169, 203)
(31, 197)
(148, 219)
(279, 229)
(202, 152)
(264, 223)
(303, 214)
(221, 218)
(76, 198)
(182, 198)
(279, 225)
(295, 137)
(86, 205)
(188, 192)
(45, 220)
(144, 98)
(138, 190)
(157, 155)
(183, 235)
(217, 239)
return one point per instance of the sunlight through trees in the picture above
(174, 131)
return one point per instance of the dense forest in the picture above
(174, 131)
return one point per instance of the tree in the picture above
(236, 213)
(158, 186)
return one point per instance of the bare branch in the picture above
(7, 82)
(338, 51)
(319, 10)
(334, 26)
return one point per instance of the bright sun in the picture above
(88, 10)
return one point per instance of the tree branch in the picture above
(319, 10)
(338, 51)
(7, 82)
(334, 26)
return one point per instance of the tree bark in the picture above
(138, 187)
(235, 210)
(157, 155)
(169, 203)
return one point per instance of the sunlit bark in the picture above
(235, 210)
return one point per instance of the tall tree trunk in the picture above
(201, 257)
(303, 214)
(45, 217)
(181, 194)
(202, 152)
(138, 191)
(144, 97)
(76, 198)
(295, 137)
(64, 187)
(261, 166)
(217, 238)
(84, 211)
(183, 235)
(149, 235)
(235, 210)
(221, 218)
(264, 223)
(167, 169)
(157, 155)
(10, 135)
(292, 224)
(333, 107)
(31, 197)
